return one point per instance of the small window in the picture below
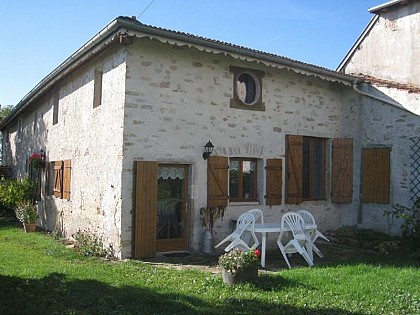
(56, 108)
(247, 89)
(35, 120)
(97, 89)
(243, 179)
(7, 137)
(19, 131)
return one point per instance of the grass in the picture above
(38, 275)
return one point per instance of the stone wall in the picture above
(91, 138)
(178, 98)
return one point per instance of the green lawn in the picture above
(38, 275)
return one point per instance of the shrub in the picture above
(410, 226)
(90, 245)
(25, 212)
(16, 190)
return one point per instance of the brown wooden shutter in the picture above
(376, 175)
(217, 181)
(294, 160)
(58, 179)
(66, 179)
(274, 183)
(342, 170)
(146, 209)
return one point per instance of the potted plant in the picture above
(27, 214)
(37, 161)
(209, 216)
(239, 266)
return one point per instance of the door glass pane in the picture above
(170, 202)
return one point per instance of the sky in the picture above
(38, 35)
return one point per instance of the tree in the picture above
(4, 112)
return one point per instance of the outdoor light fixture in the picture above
(208, 149)
(42, 153)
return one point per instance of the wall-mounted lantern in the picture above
(208, 149)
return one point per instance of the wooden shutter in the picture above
(58, 179)
(146, 209)
(376, 175)
(274, 184)
(342, 170)
(66, 179)
(294, 160)
(217, 181)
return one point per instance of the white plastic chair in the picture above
(309, 219)
(258, 214)
(245, 223)
(300, 240)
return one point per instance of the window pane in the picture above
(234, 179)
(248, 178)
(318, 169)
(246, 88)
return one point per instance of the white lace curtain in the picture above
(171, 172)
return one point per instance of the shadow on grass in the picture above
(57, 294)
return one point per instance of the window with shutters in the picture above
(62, 179)
(236, 179)
(243, 179)
(376, 175)
(305, 165)
(97, 89)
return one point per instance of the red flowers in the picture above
(257, 253)
(34, 156)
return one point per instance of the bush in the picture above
(25, 212)
(410, 226)
(16, 190)
(89, 245)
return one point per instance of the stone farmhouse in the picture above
(124, 120)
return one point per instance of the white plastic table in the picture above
(265, 228)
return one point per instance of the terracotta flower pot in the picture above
(29, 227)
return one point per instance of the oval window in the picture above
(247, 88)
